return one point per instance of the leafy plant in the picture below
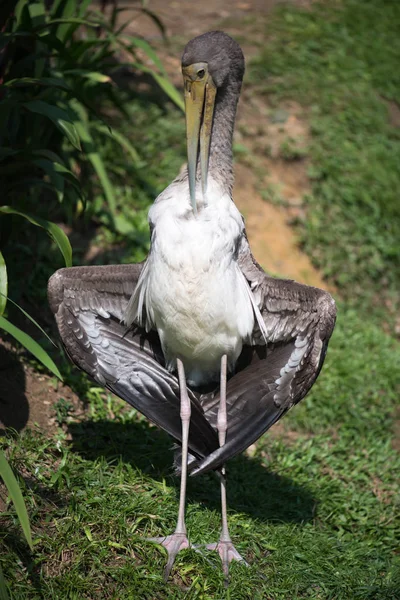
(15, 493)
(57, 69)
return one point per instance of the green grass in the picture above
(340, 60)
(316, 513)
(315, 510)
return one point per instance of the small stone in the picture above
(279, 116)
(251, 450)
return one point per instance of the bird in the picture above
(198, 337)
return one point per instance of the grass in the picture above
(316, 512)
(340, 61)
(315, 508)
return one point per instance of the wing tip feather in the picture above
(55, 290)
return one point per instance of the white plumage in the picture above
(191, 287)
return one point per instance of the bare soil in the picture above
(28, 398)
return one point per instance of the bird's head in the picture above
(210, 62)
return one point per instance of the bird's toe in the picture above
(228, 553)
(173, 543)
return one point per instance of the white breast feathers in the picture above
(191, 288)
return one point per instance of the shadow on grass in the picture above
(14, 405)
(252, 489)
(14, 542)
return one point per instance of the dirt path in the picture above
(261, 129)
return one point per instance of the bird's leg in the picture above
(225, 548)
(178, 540)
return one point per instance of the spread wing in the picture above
(89, 304)
(298, 321)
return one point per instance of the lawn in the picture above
(314, 508)
(339, 60)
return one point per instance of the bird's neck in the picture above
(220, 162)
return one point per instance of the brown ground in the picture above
(28, 398)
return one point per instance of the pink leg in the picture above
(225, 548)
(178, 540)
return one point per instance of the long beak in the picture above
(199, 105)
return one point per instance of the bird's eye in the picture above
(201, 73)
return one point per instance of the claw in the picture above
(228, 553)
(173, 543)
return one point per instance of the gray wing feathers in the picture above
(89, 304)
(299, 321)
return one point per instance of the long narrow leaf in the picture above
(3, 587)
(58, 116)
(30, 344)
(152, 54)
(42, 81)
(49, 154)
(68, 10)
(93, 75)
(28, 316)
(122, 140)
(98, 165)
(156, 20)
(6, 152)
(70, 21)
(27, 182)
(3, 284)
(52, 229)
(55, 178)
(16, 496)
(83, 7)
(169, 89)
(165, 84)
(58, 174)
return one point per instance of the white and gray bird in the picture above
(199, 311)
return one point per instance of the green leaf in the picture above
(68, 9)
(16, 496)
(156, 20)
(58, 116)
(121, 139)
(3, 587)
(18, 11)
(49, 154)
(54, 231)
(70, 21)
(92, 75)
(83, 5)
(58, 174)
(162, 79)
(164, 84)
(3, 284)
(152, 54)
(28, 316)
(30, 345)
(169, 89)
(29, 182)
(98, 165)
(55, 178)
(6, 152)
(43, 81)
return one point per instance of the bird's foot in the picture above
(173, 543)
(228, 553)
